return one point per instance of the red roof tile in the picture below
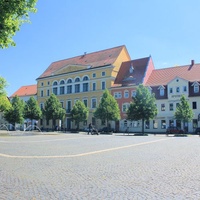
(164, 76)
(27, 90)
(124, 77)
(95, 59)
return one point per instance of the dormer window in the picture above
(162, 90)
(131, 69)
(196, 87)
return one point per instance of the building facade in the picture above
(82, 78)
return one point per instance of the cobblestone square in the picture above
(80, 166)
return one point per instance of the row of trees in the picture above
(142, 107)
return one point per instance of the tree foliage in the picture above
(143, 106)
(183, 112)
(32, 110)
(108, 109)
(3, 84)
(53, 109)
(15, 113)
(79, 113)
(4, 103)
(13, 14)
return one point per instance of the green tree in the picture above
(143, 106)
(15, 113)
(108, 109)
(53, 109)
(79, 113)
(4, 103)
(32, 110)
(13, 14)
(183, 112)
(3, 85)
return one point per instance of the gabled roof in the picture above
(164, 76)
(95, 59)
(27, 90)
(126, 77)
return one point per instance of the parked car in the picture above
(174, 130)
(107, 129)
(197, 131)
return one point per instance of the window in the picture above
(85, 87)
(170, 90)
(94, 103)
(69, 106)
(41, 106)
(48, 92)
(85, 78)
(94, 75)
(42, 93)
(103, 73)
(196, 88)
(162, 91)
(77, 88)
(133, 93)
(42, 84)
(155, 124)
(117, 95)
(103, 85)
(171, 122)
(85, 101)
(48, 83)
(69, 89)
(147, 124)
(62, 90)
(69, 81)
(195, 123)
(77, 80)
(162, 107)
(194, 105)
(184, 88)
(62, 104)
(93, 86)
(177, 89)
(163, 124)
(126, 94)
(177, 105)
(125, 107)
(55, 90)
(171, 106)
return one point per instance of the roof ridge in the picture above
(90, 53)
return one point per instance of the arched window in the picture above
(69, 81)
(77, 80)
(69, 86)
(55, 88)
(85, 85)
(62, 87)
(77, 86)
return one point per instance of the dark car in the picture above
(107, 130)
(197, 131)
(174, 130)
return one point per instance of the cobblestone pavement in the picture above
(80, 166)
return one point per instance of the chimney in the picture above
(192, 62)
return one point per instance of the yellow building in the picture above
(84, 78)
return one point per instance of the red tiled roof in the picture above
(27, 90)
(95, 59)
(164, 76)
(125, 77)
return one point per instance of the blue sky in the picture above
(169, 31)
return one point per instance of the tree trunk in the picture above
(143, 126)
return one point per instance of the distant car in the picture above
(174, 130)
(106, 130)
(197, 131)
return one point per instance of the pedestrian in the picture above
(90, 128)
